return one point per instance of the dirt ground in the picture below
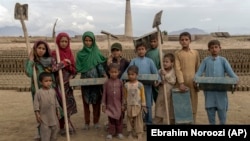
(17, 120)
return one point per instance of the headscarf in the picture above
(65, 53)
(46, 59)
(88, 57)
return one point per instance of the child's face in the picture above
(132, 76)
(184, 41)
(116, 53)
(64, 42)
(114, 72)
(154, 43)
(141, 51)
(41, 50)
(167, 64)
(214, 50)
(88, 41)
(46, 82)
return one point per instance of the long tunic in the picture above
(46, 102)
(93, 94)
(186, 65)
(112, 97)
(134, 98)
(69, 95)
(216, 67)
(29, 72)
(146, 66)
(160, 107)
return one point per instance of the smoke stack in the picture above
(128, 20)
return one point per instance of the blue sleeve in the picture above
(229, 69)
(201, 69)
(154, 69)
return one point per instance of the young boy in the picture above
(146, 66)
(46, 108)
(153, 53)
(134, 102)
(116, 57)
(187, 62)
(215, 66)
(112, 99)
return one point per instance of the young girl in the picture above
(67, 64)
(169, 78)
(40, 57)
(46, 108)
(112, 101)
(89, 62)
(134, 102)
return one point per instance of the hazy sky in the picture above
(95, 15)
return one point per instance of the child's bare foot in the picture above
(130, 137)
(139, 137)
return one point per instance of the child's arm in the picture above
(124, 102)
(143, 99)
(36, 106)
(104, 97)
(201, 69)
(29, 67)
(57, 66)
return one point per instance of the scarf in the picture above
(65, 53)
(88, 57)
(46, 59)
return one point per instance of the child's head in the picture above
(141, 48)
(45, 79)
(63, 40)
(116, 49)
(114, 70)
(168, 61)
(154, 40)
(185, 39)
(41, 49)
(88, 38)
(132, 72)
(214, 47)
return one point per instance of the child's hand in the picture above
(38, 117)
(123, 108)
(58, 113)
(163, 72)
(31, 55)
(68, 61)
(110, 58)
(144, 109)
(183, 88)
(156, 83)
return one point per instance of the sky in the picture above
(109, 15)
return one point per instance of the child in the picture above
(67, 65)
(40, 57)
(115, 57)
(168, 77)
(112, 101)
(146, 66)
(153, 53)
(134, 102)
(187, 62)
(46, 108)
(215, 66)
(89, 62)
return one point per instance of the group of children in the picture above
(122, 95)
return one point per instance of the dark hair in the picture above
(43, 75)
(114, 66)
(153, 37)
(133, 68)
(141, 43)
(170, 56)
(213, 42)
(185, 34)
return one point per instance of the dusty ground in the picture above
(17, 120)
